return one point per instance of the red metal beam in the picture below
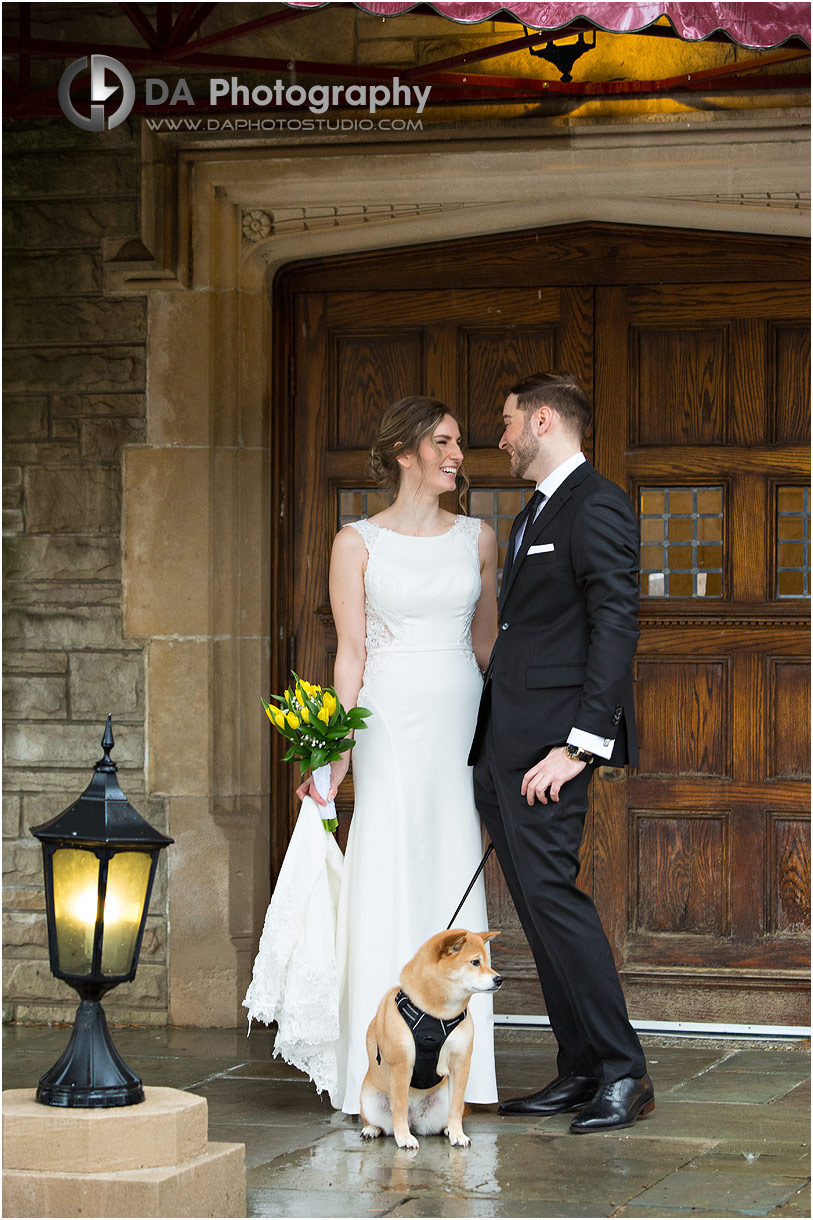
(190, 19)
(142, 24)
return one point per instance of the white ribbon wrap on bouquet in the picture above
(295, 981)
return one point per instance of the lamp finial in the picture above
(106, 763)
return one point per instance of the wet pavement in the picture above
(729, 1135)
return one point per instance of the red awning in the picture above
(749, 24)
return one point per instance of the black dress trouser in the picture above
(538, 849)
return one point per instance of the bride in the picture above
(413, 595)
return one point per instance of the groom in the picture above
(557, 702)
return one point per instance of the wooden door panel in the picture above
(789, 856)
(679, 385)
(788, 405)
(679, 868)
(368, 369)
(683, 711)
(788, 718)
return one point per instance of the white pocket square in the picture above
(537, 550)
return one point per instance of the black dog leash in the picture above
(480, 868)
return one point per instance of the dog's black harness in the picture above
(429, 1034)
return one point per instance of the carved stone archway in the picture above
(204, 498)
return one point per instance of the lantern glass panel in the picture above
(128, 876)
(76, 901)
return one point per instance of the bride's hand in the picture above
(338, 770)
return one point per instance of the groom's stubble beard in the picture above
(525, 451)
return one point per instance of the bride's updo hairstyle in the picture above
(404, 425)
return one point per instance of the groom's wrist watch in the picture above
(578, 754)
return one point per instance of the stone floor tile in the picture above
(747, 1128)
(797, 1205)
(264, 1143)
(739, 1185)
(504, 1206)
(727, 1083)
(670, 1067)
(686, 1213)
(795, 1056)
(263, 1101)
(283, 1203)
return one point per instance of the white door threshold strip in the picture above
(681, 1029)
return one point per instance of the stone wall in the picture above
(74, 396)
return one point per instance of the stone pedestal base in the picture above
(151, 1159)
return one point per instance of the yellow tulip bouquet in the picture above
(317, 726)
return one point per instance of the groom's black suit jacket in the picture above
(568, 628)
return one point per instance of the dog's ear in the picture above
(488, 935)
(451, 942)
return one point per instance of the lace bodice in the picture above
(420, 593)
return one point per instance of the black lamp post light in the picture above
(99, 858)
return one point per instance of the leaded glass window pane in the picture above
(499, 506)
(681, 541)
(354, 503)
(792, 542)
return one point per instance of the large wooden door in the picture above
(711, 831)
(698, 861)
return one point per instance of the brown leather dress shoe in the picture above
(616, 1105)
(563, 1093)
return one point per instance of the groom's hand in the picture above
(551, 772)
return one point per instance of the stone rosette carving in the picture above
(256, 225)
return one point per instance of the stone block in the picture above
(395, 51)
(85, 405)
(56, 745)
(65, 429)
(30, 135)
(147, 990)
(67, 779)
(75, 320)
(70, 174)
(72, 499)
(178, 413)
(103, 438)
(35, 662)
(69, 557)
(94, 369)
(106, 681)
(34, 697)
(12, 477)
(25, 416)
(166, 585)
(211, 1185)
(62, 593)
(44, 273)
(74, 627)
(12, 521)
(22, 863)
(168, 1128)
(23, 898)
(154, 943)
(28, 981)
(13, 497)
(12, 812)
(38, 222)
(25, 935)
(179, 740)
(29, 453)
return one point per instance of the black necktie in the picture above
(528, 514)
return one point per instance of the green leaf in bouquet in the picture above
(318, 759)
(289, 754)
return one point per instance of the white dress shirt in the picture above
(601, 746)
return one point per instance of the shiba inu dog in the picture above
(419, 1042)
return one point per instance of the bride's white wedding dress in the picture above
(415, 838)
